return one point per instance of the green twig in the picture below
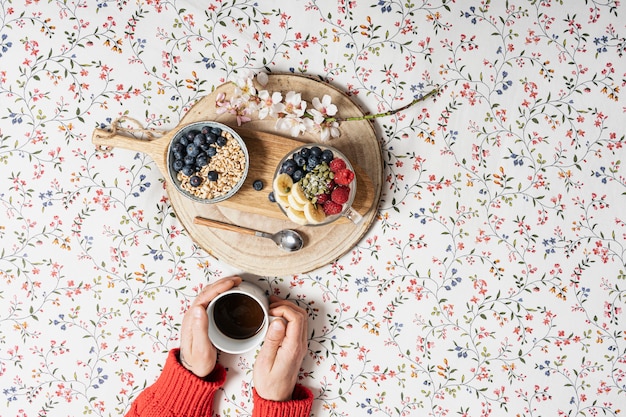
(385, 114)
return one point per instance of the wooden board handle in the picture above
(224, 226)
(155, 148)
(103, 137)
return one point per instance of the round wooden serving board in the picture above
(252, 209)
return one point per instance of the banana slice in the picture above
(282, 184)
(314, 213)
(298, 194)
(283, 200)
(296, 216)
(294, 202)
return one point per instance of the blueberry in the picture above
(178, 147)
(188, 170)
(195, 181)
(191, 134)
(297, 175)
(288, 167)
(205, 130)
(299, 159)
(211, 151)
(178, 165)
(178, 155)
(327, 156)
(271, 197)
(202, 159)
(221, 141)
(193, 150)
(316, 151)
(199, 139)
(305, 152)
(183, 141)
(257, 185)
(212, 176)
(313, 161)
(216, 131)
(189, 160)
(211, 138)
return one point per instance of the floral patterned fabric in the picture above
(492, 283)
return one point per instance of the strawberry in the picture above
(340, 194)
(331, 208)
(344, 176)
(337, 164)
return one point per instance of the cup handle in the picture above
(353, 215)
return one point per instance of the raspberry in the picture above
(344, 177)
(337, 164)
(331, 208)
(340, 194)
(322, 198)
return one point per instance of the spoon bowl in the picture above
(287, 239)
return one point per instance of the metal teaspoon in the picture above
(286, 239)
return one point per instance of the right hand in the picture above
(277, 365)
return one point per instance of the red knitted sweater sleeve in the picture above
(299, 405)
(178, 392)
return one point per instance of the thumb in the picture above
(274, 337)
(200, 320)
(199, 330)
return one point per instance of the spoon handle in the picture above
(224, 226)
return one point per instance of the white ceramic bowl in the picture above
(172, 157)
(292, 208)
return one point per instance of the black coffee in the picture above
(238, 316)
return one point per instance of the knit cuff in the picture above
(299, 405)
(182, 392)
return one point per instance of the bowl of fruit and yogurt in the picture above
(314, 185)
(207, 161)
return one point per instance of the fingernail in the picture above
(277, 325)
(198, 312)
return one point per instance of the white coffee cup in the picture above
(239, 318)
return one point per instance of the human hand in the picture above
(277, 365)
(197, 353)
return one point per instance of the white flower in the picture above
(295, 125)
(294, 105)
(270, 104)
(262, 78)
(326, 128)
(325, 107)
(237, 106)
(318, 117)
(323, 111)
(244, 85)
(329, 130)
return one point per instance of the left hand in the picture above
(197, 353)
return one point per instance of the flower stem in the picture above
(387, 113)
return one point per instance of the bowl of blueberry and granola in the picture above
(207, 161)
